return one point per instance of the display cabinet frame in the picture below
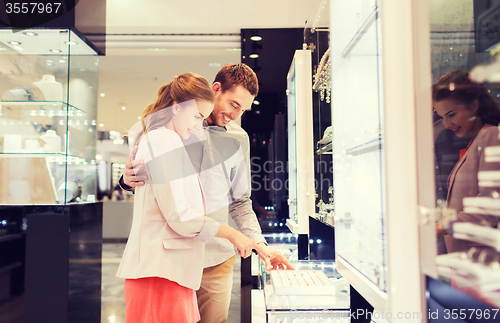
(301, 192)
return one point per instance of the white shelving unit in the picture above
(300, 143)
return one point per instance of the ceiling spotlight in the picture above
(124, 108)
(103, 95)
(157, 49)
(256, 38)
(234, 49)
(62, 61)
(30, 33)
(101, 125)
(214, 64)
(14, 42)
(256, 102)
(3, 49)
(70, 43)
(56, 51)
(253, 55)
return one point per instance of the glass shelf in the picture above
(46, 108)
(361, 32)
(51, 157)
(325, 150)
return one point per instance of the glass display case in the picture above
(48, 207)
(48, 113)
(358, 123)
(373, 90)
(296, 304)
(317, 38)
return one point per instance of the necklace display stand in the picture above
(51, 89)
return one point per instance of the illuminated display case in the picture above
(389, 174)
(328, 301)
(374, 149)
(48, 113)
(48, 208)
(317, 38)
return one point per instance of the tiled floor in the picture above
(113, 302)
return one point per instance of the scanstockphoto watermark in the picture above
(484, 315)
(354, 167)
(362, 314)
(276, 176)
(318, 315)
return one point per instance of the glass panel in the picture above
(464, 37)
(82, 130)
(317, 38)
(43, 158)
(357, 116)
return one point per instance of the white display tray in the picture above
(489, 178)
(492, 154)
(301, 282)
(482, 205)
(467, 273)
(481, 234)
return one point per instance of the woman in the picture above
(163, 260)
(470, 112)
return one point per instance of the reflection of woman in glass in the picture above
(163, 260)
(469, 111)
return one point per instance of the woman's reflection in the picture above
(467, 109)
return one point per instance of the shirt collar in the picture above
(214, 127)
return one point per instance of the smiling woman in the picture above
(470, 112)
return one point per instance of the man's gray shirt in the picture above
(224, 167)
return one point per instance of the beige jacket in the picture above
(463, 182)
(169, 228)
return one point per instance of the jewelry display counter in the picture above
(50, 222)
(297, 300)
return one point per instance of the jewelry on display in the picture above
(322, 78)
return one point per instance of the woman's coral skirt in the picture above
(159, 300)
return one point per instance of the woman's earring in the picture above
(472, 118)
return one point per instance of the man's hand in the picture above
(264, 255)
(134, 174)
(277, 259)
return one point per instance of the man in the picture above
(226, 154)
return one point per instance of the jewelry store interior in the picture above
(361, 172)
